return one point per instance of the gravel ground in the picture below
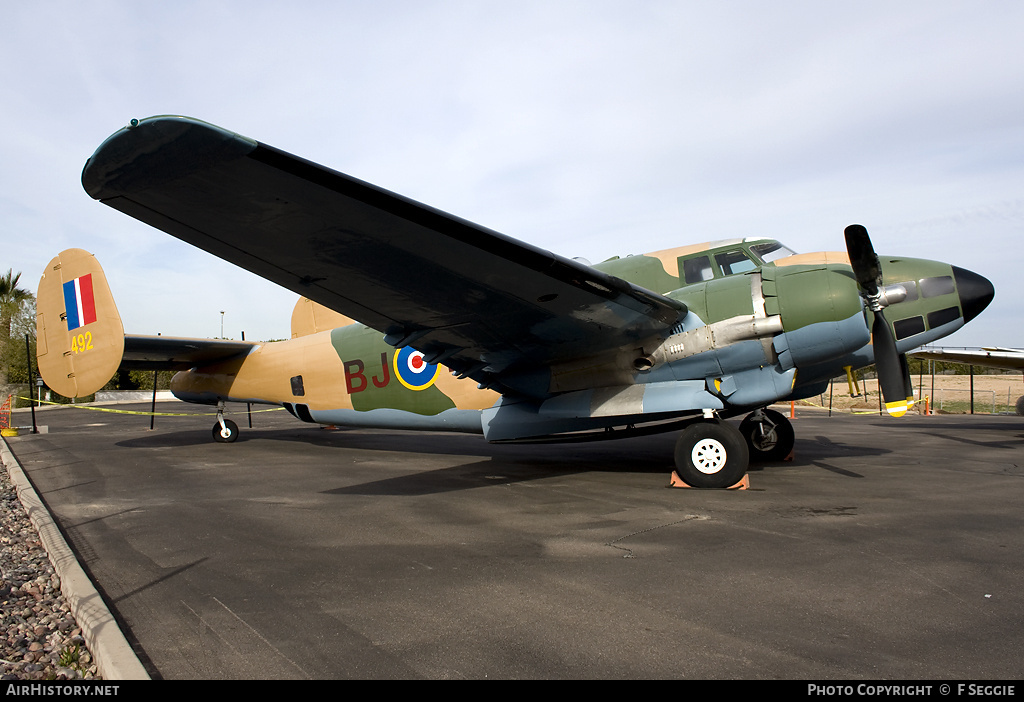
(40, 639)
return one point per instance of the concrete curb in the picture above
(115, 659)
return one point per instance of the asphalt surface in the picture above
(887, 549)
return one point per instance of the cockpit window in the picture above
(697, 270)
(771, 251)
(732, 262)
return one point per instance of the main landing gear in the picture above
(769, 435)
(224, 431)
(712, 453)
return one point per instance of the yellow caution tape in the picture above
(153, 414)
(808, 403)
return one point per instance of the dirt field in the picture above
(950, 394)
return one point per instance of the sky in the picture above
(587, 128)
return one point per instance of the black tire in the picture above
(219, 436)
(711, 454)
(1020, 406)
(770, 446)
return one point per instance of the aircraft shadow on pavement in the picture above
(479, 463)
(487, 463)
(511, 464)
(1006, 441)
(823, 446)
(623, 454)
(467, 476)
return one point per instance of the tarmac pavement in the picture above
(887, 549)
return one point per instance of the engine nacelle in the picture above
(821, 309)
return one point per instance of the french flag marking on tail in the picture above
(79, 302)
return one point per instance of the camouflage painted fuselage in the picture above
(755, 332)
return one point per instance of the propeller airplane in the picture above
(537, 347)
(990, 357)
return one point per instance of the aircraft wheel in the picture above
(1020, 406)
(768, 443)
(226, 435)
(711, 455)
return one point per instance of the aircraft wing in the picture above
(1008, 359)
(174, 353)
(480, 302)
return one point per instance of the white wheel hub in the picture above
(708, 456)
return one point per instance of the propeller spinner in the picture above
(893, 371)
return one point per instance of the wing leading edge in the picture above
(480, 302)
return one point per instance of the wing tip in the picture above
(159, 147)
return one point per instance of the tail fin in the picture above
(310, 317)
(79, 335)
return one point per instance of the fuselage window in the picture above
(298, 390)
(940, 285)
(940, 317)
(733, 262)
(911, 288)
(909, 327)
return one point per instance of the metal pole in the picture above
(248, 405)
(921, 380)
(31, 383)
(152, 405)
(831, 384)
(931, 365)
(971, 368)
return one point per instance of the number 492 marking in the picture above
(81, 342)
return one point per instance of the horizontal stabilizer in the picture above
(81, 341)
(171, 353)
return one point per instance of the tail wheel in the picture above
(770, 438)
(226, 434)
(711, 455)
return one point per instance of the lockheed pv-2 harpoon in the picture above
(410, 318)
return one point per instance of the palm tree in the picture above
(11, 299)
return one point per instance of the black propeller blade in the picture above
(893, 376)
(863, 259)
(908, 384)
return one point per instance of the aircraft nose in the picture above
(975, 292)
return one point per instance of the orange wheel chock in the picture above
(677, 482)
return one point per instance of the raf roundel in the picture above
(413, 371)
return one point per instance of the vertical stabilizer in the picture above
(310, 317)
(80, 339)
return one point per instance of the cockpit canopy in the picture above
(730, 258)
